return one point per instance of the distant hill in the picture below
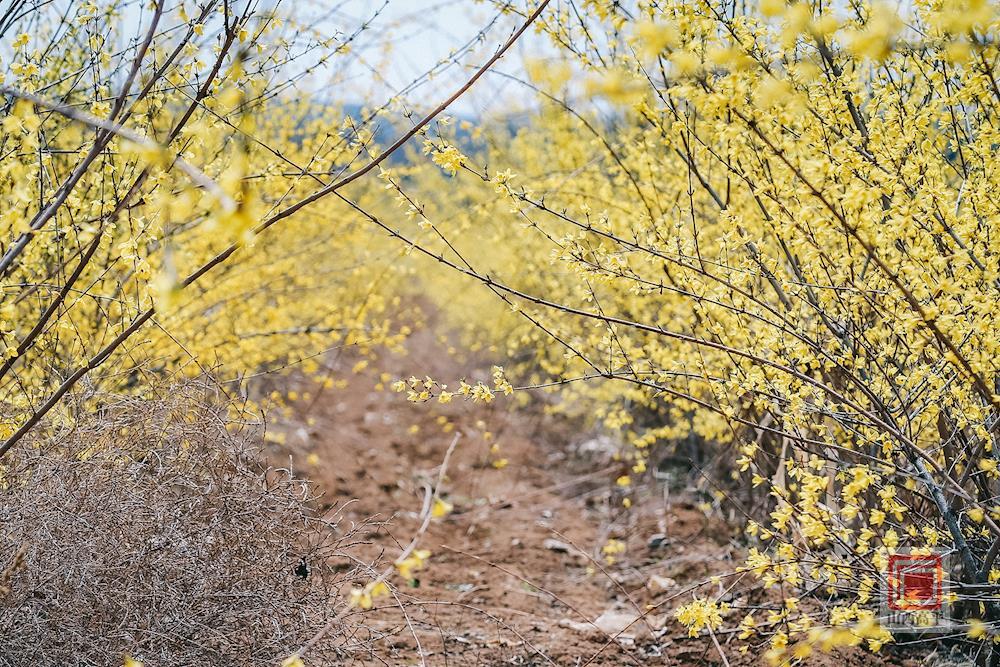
(388, 130)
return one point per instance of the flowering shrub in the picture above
(138, 184)
(766, 228)
(769, 228)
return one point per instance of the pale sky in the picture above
(421, 33)
(405, 40)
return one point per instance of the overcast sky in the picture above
(420, 34)
(405, 39)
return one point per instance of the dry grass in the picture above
(152, 529)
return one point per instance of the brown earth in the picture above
(517, 575)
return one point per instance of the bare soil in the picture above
(517, 575)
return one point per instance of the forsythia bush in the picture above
(771, 228)
(142, 140)
(767, 227)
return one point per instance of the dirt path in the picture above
(517, 574)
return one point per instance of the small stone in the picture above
(658, 584)
(614, 621)
(556, 545)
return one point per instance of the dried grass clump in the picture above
(152, 529)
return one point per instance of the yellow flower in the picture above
(655, 36)
(771, 8)
(699, 614)
(441, 508)
(360, 598)
(364, 598)
(874, 39)
(447, 157)
(415, 561)
(685, 63)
